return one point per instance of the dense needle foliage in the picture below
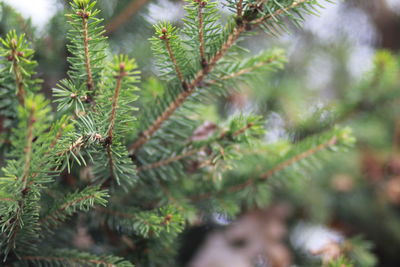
(137, 178)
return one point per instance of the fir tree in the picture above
(137, 184)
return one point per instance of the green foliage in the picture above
(340, 262)
(17, 78)
(88, 48)
(70, 204)
(63, 257)
(184, 169)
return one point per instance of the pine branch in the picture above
(189, 153)
(145, 223)
(291, 161)
(201, 4)
(198, 79)
(67, 258)
(181, 98)
(127, 12)
(28, 149)
(339, 137)
(19, 58)
(166, 38)
(87, 47)
(85, 16)
(17, 72)
(70, 260)
(83, 200)
(281, 11)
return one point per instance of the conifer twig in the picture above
(28, 150)
(117, 90)
(243, 71)
(165, 37)
(65, 206)
(113, 115)
(191, 87)
(85, 16)
(201, 5)
(65, 259)
(58, 136)
(125, 15)
(201, 74)
(278, 12)
(266, 175)
(168, 161)
(191, 152)
(17, 72)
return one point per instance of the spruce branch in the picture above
(28, 149)
(200, 7)
(17, 72)
(79, 200)
(66, 258)
(127, 12)
(18, 57)
(337, 138)
(166, 38)
(113, 114)
(145, 223)
(85, 16)
(249, 69)
(199, 78)
(191, 87)
(191, 152)
(281, 11)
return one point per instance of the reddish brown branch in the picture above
(64, 207)
(125, 15)
(171, 55)
(17, 73)
(28, 150)
(278, 12)
(266, 175)
(164, 162)
(201, 32)
(115, 98)
(63, 259)
(191, 152)
(85, 18)
(200, 76)
(146, 135)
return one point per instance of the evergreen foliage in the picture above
(139, 183)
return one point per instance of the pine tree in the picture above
(138, 183)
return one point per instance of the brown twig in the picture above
(64, 207)
(200, 76)
(181, 98)
(191, 152)
(125, 15)
(28, 150)
(171, 55)
(85, 17)
(266, 175)
(113, 116)
(63, 259)
(201, 5)
(278, 12)
(17, 73)
(243, 71)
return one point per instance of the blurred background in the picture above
(343, 68)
